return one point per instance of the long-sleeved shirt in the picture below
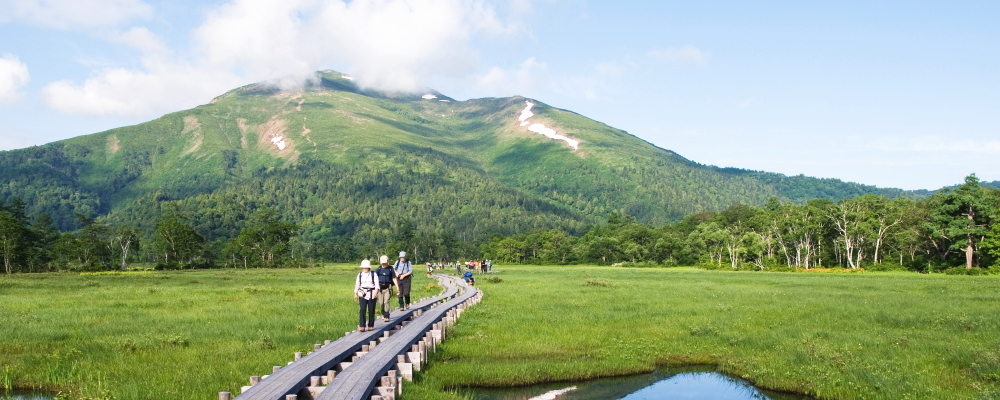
(366, 285)
(403, 267)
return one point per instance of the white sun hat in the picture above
(366, 264)
(383, 260)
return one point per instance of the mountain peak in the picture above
(491, 165)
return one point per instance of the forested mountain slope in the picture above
(346, 162)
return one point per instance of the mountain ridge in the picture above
(436, 161)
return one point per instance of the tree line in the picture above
(36, 245)
(955, 227)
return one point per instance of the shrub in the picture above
(886, 266)
(640, 264)
(966, 271)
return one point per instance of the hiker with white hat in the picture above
(366, 294)
(386, 281)
(404, 271)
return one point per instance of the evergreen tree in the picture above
(962, 217)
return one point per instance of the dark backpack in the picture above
(385, 276)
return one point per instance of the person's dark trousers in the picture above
(404, 292)
(366, 305)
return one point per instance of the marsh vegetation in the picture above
(191, 334)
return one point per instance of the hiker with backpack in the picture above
(404, 273)
(366, 294)
(386, 281)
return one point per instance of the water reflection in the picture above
(687, 383)
(25, 395)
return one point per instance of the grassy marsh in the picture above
(833, 336)
(190, 334)
(167, 335)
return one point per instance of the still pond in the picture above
(681, 384)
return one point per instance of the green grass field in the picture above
(834, 336)
(189, 335)
(168, 335)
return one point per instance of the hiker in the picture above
(430, 269)
(469, 279)
(386, 281)
(404, 271)
(366, 293)
(458, 267)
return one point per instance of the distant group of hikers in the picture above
(484, 266)
(376, 287)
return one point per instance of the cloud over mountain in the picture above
(394, 45)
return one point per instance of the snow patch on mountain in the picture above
(526, 113)
(551, 134)
(279, 142)
(542, 129)
(429, 96)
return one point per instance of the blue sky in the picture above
(897, 94)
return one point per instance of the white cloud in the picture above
(13, 76)
(130, 93)
(393, 45)
(386, 44)
(68, 14)
(141, 39)
(529, 77)
(532, 78)
(164, 84)
(687, 55)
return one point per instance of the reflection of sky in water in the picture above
(24, 396)
(686, 384)
(680, 384)
(701, 386)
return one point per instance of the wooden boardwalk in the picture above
(292, 379)
(360, 380)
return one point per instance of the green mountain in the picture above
(342, 161)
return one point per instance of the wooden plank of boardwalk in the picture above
(293, 378)
(358, 380)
